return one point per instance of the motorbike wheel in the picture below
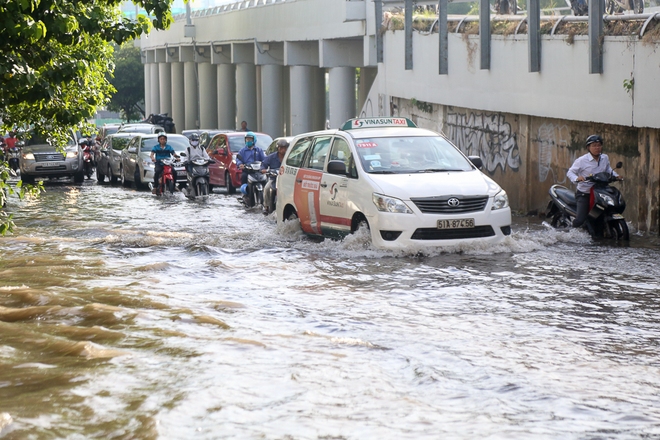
(561, 221)
(201, 189)
(170, 186)
(620, 230)
(100, 177)
(231, 189)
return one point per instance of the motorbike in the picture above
(163, 120)
(606, 206)
(166, 180)
(198, 178)
(270, 192)
(88, 158)
(253, 190)
(12, 158)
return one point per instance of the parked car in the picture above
(136, 164)
(140, 128)
(223, 148)
(38, 159)
(411, 187)
(109, 163)
(108, 129)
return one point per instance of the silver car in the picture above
(136, 164)
(141, 128)
(39, 160)
(109, 164)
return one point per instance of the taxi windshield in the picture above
(427, 154)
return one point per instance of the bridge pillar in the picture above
(178, 96)
(226, 96)
(190, 91)
(147, 79)
(272, 121)
(341, 95)
(165, 88)
(154, 93)
(208, 95)
(246, 94)
(301, 78)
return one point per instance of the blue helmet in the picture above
(250, 143)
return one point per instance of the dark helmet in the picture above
(593, 139)
(194, 139)
(162, 135)
(282, 143)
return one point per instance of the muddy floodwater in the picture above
(126, 316)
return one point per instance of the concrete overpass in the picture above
(524, 100)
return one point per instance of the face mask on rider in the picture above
(249, 142)
(194, 143)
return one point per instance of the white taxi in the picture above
(410, 186)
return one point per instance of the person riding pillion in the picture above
(274, 160)
(249, 154)
(584, 166)
(195, 152)
(161, 151)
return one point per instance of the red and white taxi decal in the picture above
(306, 197)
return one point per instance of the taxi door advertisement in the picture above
(306, 199)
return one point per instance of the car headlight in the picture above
(71, 154)
(501, 200)
(28, 156)
(390, 204)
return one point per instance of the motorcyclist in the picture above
(249, 154)
(161, 151)
(194, 152)
(273, 162)
(591, 163)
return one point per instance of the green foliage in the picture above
(629, 85)
(21, 190)
(421, 105)
(54, 60)
(128, 80)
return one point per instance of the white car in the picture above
(410, 186)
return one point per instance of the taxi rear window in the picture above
(297, 152)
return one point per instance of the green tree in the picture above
(128, 80)
(54, 60)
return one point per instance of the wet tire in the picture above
(170, 186)
(231, 189)
(620, 230)
(138, 181)
(27, 179)
(124, 182)
(100, 176)
(202, 190)
(359, 221)
(561, 221)
(113, 179)
(79, 177)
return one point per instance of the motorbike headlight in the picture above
(501, 200)
(71, 154)
(28, 156)
(607, 199)
(390, 204)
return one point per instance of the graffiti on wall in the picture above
(550, 137)
(488, 136)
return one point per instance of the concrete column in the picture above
(367, 77)
(178, 97)
(208, 95)
(246, 94)
(301, 80)
(342, 95)
(147, 89)
(226, 96)
(319, 99)
(154, 94)
(165, 85)
(272, 113)
(190, 91)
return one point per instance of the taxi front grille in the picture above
(452, 234)
(442, 205)
(48, 157)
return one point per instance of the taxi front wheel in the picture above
(359, 221)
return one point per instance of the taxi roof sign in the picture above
(357, 123)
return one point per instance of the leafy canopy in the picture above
(55, 56)
(128, 80)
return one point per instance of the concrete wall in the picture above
(526, 154)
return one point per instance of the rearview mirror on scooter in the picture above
(182, 154)
(619, 165)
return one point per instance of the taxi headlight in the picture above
(501, 200)
(71, 154)
(28, 156)
(390, 204)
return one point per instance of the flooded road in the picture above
(127, 316)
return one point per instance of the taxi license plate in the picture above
(456, 224)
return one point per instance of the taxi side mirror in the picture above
(337, 167)
(476, 161)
